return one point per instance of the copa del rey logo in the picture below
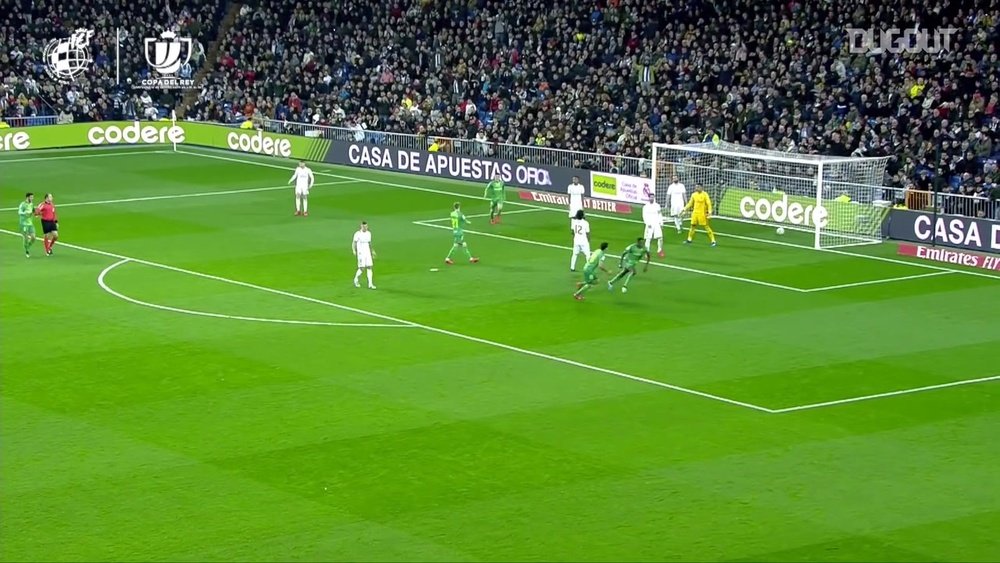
(166, 55)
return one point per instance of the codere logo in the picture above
(781, 211)
(136, 134)
(259, 144)
(17, 141)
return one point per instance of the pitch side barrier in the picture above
(953, 231)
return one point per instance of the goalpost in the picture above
(838, 200)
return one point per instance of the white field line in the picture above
(435, 330)
(183, 196)
(876, 282)
(101, 281)
(505, 213)
(888, 394)
(651, 263)
(562, 210)
(110, 152)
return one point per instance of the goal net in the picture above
(834, 201)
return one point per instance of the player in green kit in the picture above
(594, 263)
(26, 222)
(496, 193)
(458, 222)
(630, 259)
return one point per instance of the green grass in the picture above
(504, 420)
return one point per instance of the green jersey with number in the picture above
(25, 214)
(495, 190)
(458, 221)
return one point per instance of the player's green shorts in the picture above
(626, 265)
(459, 236)
(590, 276)
(496, 203)
(28, 230)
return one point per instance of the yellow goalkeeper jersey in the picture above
(700, 204)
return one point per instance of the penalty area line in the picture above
(102, 282)
(428, 328)
(887, 394)
(877, 282)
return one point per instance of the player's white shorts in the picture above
(365, 260)
(583, 247)
(654, 231)
(677, 211)
(301, 192)
(573, 209)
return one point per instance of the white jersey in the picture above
(675, 197)
(581, 236)
(575, 192)
(651, 214)
(303, 178)
(363, 248)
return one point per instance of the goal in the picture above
(836, 200)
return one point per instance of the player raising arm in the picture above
(595, 262)
(676, 194)
(458, 223)
(575, 191)
(363, 251)
(630, 259)
(652, 216)
(496, 193)
(50, 223)
(26, 222)
(701, 209)
(581, 238)
(304, 180)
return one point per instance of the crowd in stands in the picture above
(27, 90)
(604, 76)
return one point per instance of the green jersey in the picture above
(25, 214)
(495, 190)
(596, 257)
(633, 254)
(458, 220)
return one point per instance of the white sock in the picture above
(305, 205)
(357, 275)
(659, 245)
(298, 204)
(677, 222)
(572, 263)
(369, 272)
(648, 240)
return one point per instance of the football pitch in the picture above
(193, 376)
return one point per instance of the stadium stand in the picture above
(28, 94)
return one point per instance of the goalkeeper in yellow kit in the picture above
(700, 206)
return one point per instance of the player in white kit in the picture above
(575, 191)
(304, 180)
(652, 217)
(362, 247)
(676, 199)
(581, 238)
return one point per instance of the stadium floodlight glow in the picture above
(837, 199)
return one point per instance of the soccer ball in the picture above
(781, 230)
(624, 290)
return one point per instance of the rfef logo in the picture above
(783, 211)
(16, 141)
(69, 57)
(136, 134)
(259, 144)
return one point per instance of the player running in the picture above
(595, 262)
(50, 223)
(575, 191)
(458, 223)
(304, 180)
(676, 194)
(496, 193)
(26, 222)
(630, 259)
(581, 238)
(363, 251)
(652, 216)
(701, 206)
